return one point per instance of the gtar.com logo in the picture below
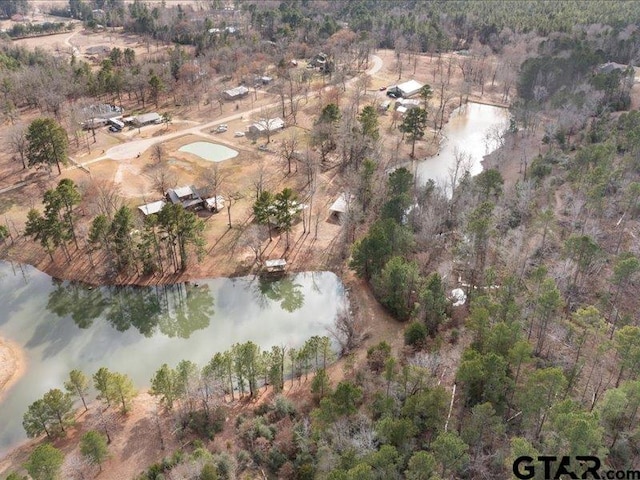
(565, 467)
(555, 469)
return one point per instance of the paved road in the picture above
(132, 149)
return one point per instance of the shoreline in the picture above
(13, 364)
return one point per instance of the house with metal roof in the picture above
(186, 196)
(235, 93)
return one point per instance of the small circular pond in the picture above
(212, 152)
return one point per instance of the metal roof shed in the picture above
(151, 208)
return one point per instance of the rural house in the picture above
(235, 93)
(146, 119)
(186, 196)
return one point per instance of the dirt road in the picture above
(132, 149)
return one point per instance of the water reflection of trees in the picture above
(175, 310)
(283, 291)
(186, 308)
(133, 306)
(83, 303)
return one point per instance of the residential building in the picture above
(235, 93)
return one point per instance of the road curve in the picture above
(377, 65)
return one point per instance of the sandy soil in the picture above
(12, 364)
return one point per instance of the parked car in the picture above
(114, 129)
(238, 134)
(222, 128)
(262, 148)
(392, 94)
(383, 88)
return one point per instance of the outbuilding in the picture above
(265, 126)
(151, 208)
(214, 204)
(341, 206)
(147, 119)
(406, 89)
(275, 266)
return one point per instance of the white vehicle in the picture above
(238, 134)
(222, 128)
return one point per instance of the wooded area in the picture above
(542, 354)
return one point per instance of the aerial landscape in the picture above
(319, 239)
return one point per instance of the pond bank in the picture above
(12, 364)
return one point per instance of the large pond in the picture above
(211, 152)
(473, 130)
(64, 325)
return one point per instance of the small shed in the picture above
(275, 267)
(383, 107)
(340, 206)
(151, 208)
(214, 204)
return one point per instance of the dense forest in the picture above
(543, 356)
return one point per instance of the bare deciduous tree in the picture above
(103, 196)
(259, 180)
(18, 142)
(213, 180)
(157, 153)
(347, 330)
(163, 180)
(253, 237)
(288, 148)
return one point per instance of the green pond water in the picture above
(63, 325)
(211, 152)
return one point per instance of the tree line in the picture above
(199, 392)
(167, 240)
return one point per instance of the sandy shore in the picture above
(12, 364)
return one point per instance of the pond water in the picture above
(133, 330)
(472, 129)
(211, 152)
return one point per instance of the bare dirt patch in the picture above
(12, 364)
